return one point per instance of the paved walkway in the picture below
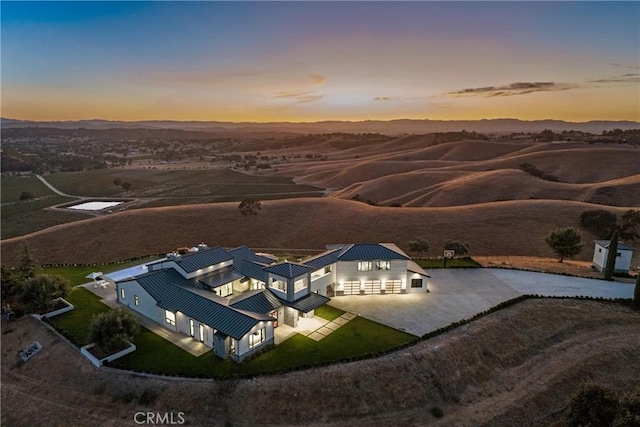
(185, 342)
(457, 294)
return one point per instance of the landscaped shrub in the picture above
(112, 329)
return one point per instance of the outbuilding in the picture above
(623, 256)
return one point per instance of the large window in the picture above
(192, 328)
(416, 283)
(170, 317)
(383, 265)
(224, 290)
(257, 337)
(365, 265)
(299, 285)
(279, 284)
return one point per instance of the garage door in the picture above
(372, 287)
(352, 287)
(393, 286)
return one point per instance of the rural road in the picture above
(54, 189)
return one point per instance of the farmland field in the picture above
(13, 186)
(21, 218)
(172, 183)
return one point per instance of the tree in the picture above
(629, 410)
(456, 245)
(38, 293)
(611, 257)
(25, 195)
(126, 186)
(250, 206)
(117, 182)
(112, 329)
(565, 242)
(602, 223)
(420, 246)
(630, 222)
(27, 268)
(592, 405)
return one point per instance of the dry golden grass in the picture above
(506, 228)
(403, 171)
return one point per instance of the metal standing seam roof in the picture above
(219, 277)
(251, 269)
(621, 245)
(369, 251)
(323, 259)
(202, 259)
(288, 269)
(259, 301)
(246, 254)
(173, 297)
(307, 303)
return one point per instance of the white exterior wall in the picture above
(623, 262)
(242, 345)
(183, 325)
(348, 270)
(320, 284)
(147, 305)
(600, 256)
(411, 276)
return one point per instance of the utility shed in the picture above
(623, 258)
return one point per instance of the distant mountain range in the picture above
(390, 127)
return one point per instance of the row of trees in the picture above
(28, 289)
(31, 291)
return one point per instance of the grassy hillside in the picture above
(516, 228)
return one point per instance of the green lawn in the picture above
(327, 312)
(359, 337)
(452, 263)
(76, 322)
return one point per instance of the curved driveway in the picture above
(457, 294)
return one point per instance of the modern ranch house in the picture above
(232, 300)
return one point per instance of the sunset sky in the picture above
(311, 61)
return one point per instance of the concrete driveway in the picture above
(457, 294)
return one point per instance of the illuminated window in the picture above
(257, 337)
(136, 300)
(299, 285)
(192, 328)
(383, 265)
(327, 269)
(224, 290)
(122, 293)
(170, 317)
(365, 266)
(279, 284)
